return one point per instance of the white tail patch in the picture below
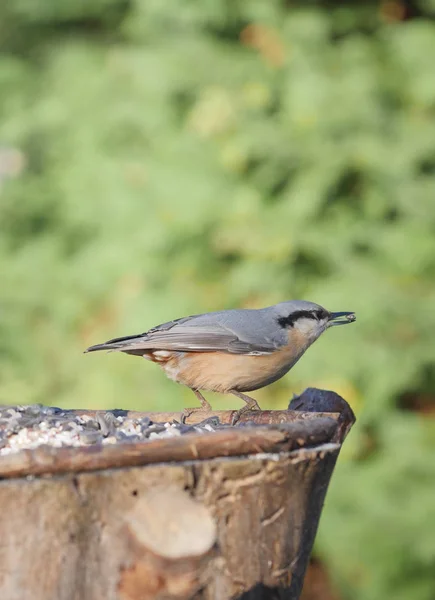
(162, 355)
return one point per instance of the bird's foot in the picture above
(243, 410)
(251, 404)
(205, 407)
(203, 410)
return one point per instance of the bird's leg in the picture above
(205, 406)
(251, 404)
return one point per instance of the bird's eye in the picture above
(320, 314)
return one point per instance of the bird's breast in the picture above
(222, 371)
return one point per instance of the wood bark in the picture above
(228, 442)
(234, 518)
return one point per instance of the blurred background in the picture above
(160, 159)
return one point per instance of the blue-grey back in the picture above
(255, 326)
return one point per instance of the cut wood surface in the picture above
(218, 516)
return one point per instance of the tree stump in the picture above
(230, 514)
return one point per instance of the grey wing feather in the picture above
(196, 339)
(201, 333)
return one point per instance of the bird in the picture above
(231, 351)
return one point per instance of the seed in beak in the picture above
(341, 318)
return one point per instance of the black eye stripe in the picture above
(293, 317)
(300, 314)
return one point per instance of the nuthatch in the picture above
(232, 351)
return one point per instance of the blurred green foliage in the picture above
(159, 159)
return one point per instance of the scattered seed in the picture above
(106, 423)
(32, 426)
(90, 437)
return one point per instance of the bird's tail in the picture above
(105, 346)
(116, 344)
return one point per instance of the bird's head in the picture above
(308, 318)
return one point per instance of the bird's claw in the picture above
(187, 412)
(248, 407)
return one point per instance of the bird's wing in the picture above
(190, 334)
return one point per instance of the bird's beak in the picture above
(341, 318)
